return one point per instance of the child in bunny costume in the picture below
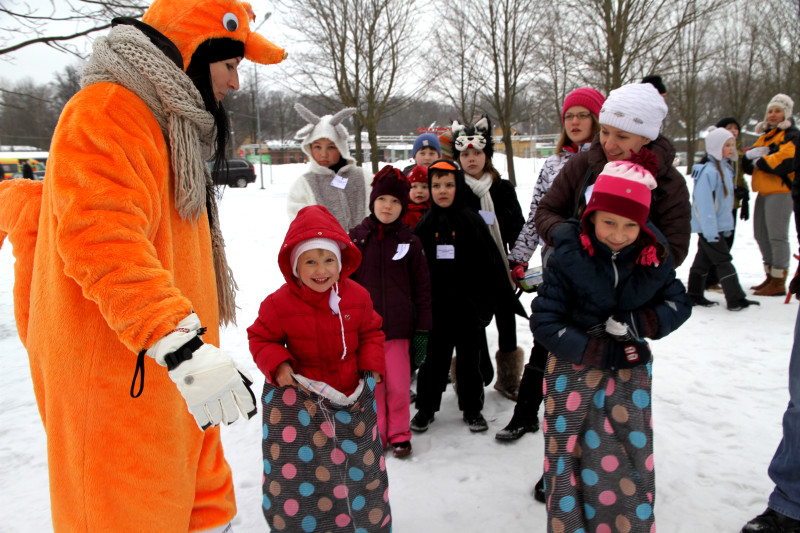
(333, 179)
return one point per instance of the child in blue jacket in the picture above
(609, 283)
(712, 219)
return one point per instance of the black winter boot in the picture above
(771, 521)
(734, 293)
(697, 284)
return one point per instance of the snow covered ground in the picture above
(720, 389)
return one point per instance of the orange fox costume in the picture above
(106, 266)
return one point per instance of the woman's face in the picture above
(775, 115)
(733, 128)
(224, 76)
(618, 145)
(473, 161)
(578, 124)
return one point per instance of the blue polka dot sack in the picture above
(324, 469)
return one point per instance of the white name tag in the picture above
(588, 194)
(445, 251)
(488, 216)
(339, 182)
(402, 250)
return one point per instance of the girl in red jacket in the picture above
(395, 272)
(319, 324)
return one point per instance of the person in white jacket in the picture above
(333, 179)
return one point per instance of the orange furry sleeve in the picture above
(20, 204)
(109, 180)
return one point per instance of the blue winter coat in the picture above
(580, 291)
(712, 209)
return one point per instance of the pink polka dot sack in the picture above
(324, 468)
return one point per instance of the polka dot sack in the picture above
(598, 467)
(324, 469)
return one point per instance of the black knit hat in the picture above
(389, 181)
(478, 135)
(724, 122)
(656, 81)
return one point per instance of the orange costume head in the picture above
(189, 23)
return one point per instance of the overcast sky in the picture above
(41, 62)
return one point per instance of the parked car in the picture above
(239, 173)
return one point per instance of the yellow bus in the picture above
(11, 162)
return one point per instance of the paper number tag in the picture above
(445, 251)
(402, 250)
(488, 216)
(339, 182)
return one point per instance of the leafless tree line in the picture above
(404, 64)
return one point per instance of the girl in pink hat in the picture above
(579, 126)
(609, 284)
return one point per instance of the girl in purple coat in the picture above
(394, 271)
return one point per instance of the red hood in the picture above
(314, 222)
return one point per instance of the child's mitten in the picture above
(418, 348)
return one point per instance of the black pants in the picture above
(506, 323)
(713, 278)
(526, 410)
(464, 333)
(716, 254)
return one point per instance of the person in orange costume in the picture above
(119, 253)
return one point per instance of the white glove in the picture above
(619, 330)
(756, 152)
(214, 386)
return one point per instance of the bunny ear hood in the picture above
(188, 23)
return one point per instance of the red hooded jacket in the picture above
(296, 324)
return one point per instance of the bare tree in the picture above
(624, 39)
(559, 63)
(26, 116)
(459, 81)
(493, 43)
(355, 50)
(692, 56)
(25, 25)
(66, 84)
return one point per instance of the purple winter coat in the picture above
(400, 289)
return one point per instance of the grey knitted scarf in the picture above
(128, 58)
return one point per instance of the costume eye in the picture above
(230, 22)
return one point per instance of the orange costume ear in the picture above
(188, 23)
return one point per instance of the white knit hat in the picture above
(715, 140)
(635, 108)
(784, 102)
(314, 244)
(325, 127)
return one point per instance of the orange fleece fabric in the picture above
(105, 267)
(115, 269)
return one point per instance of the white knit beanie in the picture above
(314, 244)
(784, 102)
(325, 127)
(715, 140)
(635, 108)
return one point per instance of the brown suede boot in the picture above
(509, 372)
(764, 283)
(776, 285)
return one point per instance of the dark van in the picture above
(235, 173)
